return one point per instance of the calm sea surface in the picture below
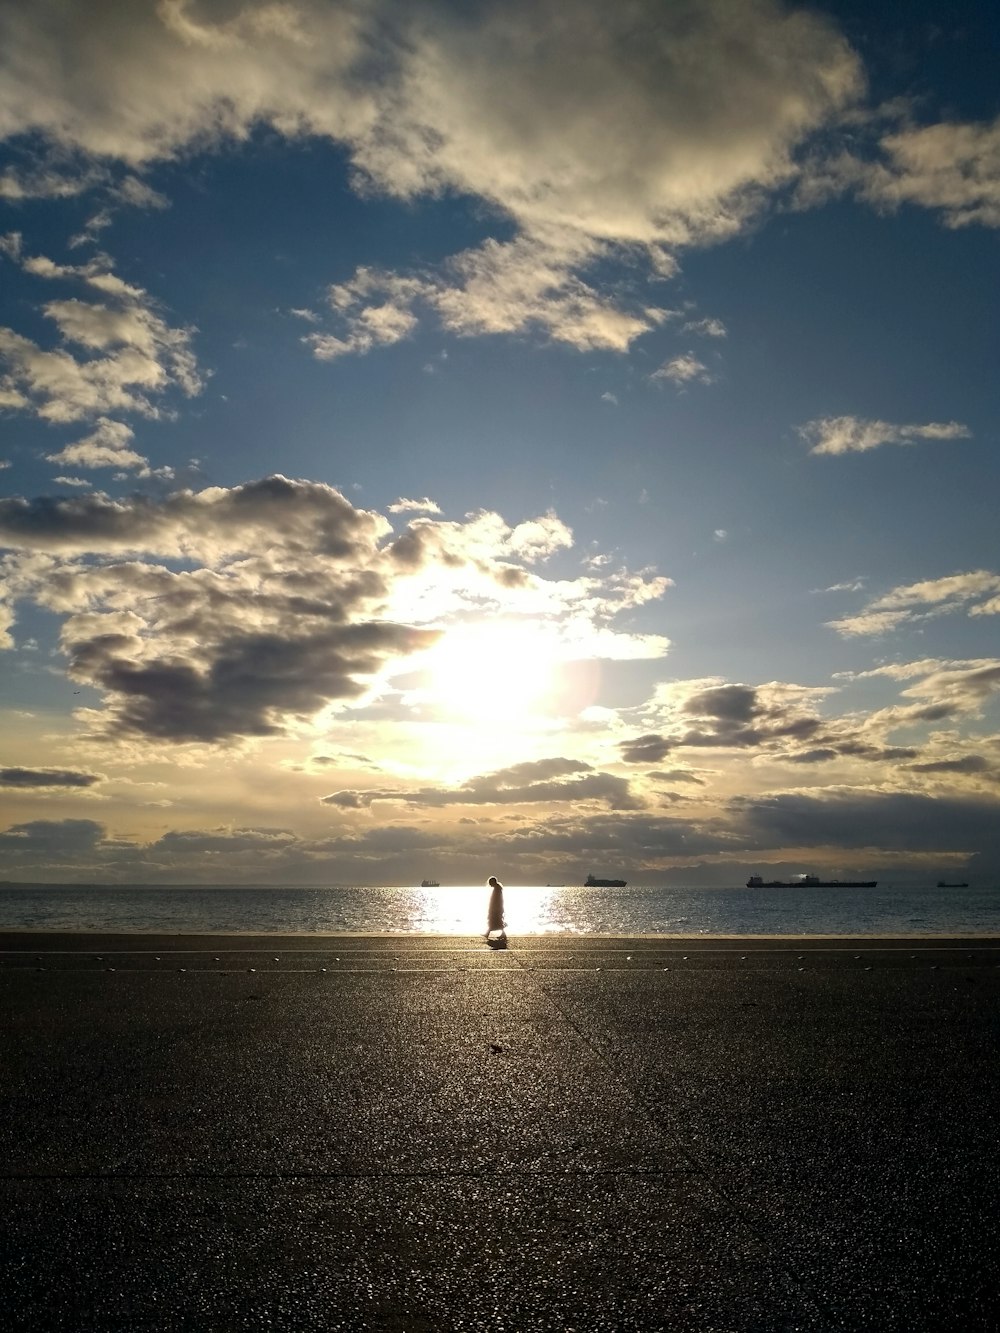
(530, 910)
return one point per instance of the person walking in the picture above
(496, 932)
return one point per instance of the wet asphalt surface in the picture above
(228, 1133)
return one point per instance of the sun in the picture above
(493, 671)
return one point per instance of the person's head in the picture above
(494, 882)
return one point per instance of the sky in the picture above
(448, 439)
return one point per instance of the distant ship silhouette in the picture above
(809, 882)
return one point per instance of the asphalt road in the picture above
(236, 1133)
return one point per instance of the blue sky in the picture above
(524, 439)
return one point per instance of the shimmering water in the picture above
(530, 910)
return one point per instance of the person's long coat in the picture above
(494, 914)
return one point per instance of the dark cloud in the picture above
(509, 576)
(239, 686)
(195, 842)
(46, 777)
(901, 822)
(820, 756)
(726, 735)
(970, 763)
(746, 717)
(51, 523)
(735, 737)
(409, 550)
(536, 770)
(629, 840)
(862, 750)
(307, 516)
(347, 760)
(355, 800)
(850, 749)
(980, 682)
(53, 837)
(387, 840)
(777, 720)
(675, 775)
(931, 712)
(728, 703)
(648, 749)
(233, 647)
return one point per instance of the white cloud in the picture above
(107, 446)
(709, 328)
(424, 506)
(499, 287)
(962, 686)
(130, 355)
(905, 670)
(917, 601)
(508, 287)
(868, 623)
(44, 183)
(684, 369)
(100, 221)
(627, 129)
(953, 166)
(649, 124)
(953, 589)
(852, 585)
(844, 435)
(375, 309)
(11, 398)
(539, 538)
(137, 193)
(149, 80)
(325, 347)
(609, 397)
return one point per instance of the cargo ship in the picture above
(592, 882)
(809, 882)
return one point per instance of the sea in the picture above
(530, 909)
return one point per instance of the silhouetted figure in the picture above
(496, 933)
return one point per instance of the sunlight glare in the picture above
(494, 671)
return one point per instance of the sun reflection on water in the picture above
(461, 909)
